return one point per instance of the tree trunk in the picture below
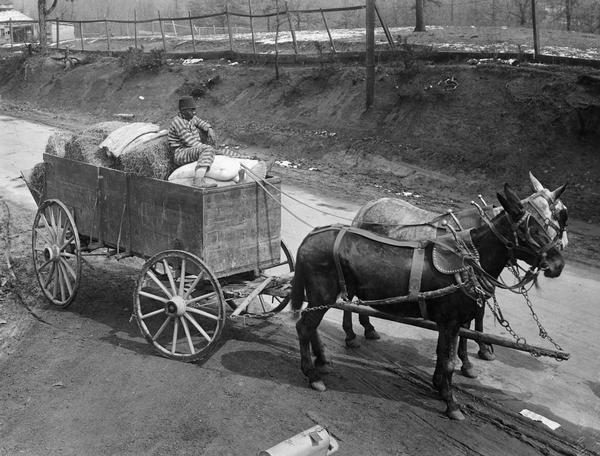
(420, 21)
(568, 8)
(43, 13)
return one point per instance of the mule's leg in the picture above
(486, 351)
(306, 328)
(370, 332)
(442, 378)
(351, 340)
(467, 368)
(321, 362)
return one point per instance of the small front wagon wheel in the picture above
(179, 306)
(56, 252)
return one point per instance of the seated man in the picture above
(185, 140)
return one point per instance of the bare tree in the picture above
(419, 16)
(43, 12)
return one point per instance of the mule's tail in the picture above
(297, 293)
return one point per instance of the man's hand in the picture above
(212, 136)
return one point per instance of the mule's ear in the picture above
(556, 193)
(511, 195)
(535, 184)
(511, 202)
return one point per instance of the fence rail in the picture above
(291, 31)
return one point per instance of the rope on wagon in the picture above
(260, 182)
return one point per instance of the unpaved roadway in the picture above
(84, 381)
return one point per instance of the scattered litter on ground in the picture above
(141, 97)
(535, 417)
(3, 321)
(125, 116)
(286, 164)
(191, 61)
(59, 385)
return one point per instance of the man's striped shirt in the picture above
(184, 133)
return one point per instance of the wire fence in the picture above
(310, 31)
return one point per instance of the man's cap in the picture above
(187, 103)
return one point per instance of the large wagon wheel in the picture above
(56, 252)
(179, 305)
(265, 303)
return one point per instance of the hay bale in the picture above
(84, 148)
(36, 181)
(150, 159)
(56, 143)
(103, 129)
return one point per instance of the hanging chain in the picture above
(542, 331)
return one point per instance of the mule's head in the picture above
(536, 234)
(557, 210)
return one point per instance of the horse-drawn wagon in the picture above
(204, 249)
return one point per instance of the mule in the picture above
(398, 219)
(347, 262)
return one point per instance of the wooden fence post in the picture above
(252, 27)
(229, 26)
(370, 48)
(192, 32)
(10, 31)
(57, 32)
(81, 34)
(135, 45)
(162, 32)
(107, 36)
(287, 13)
(536, 46)
(328, 32)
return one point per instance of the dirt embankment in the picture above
(445, 143)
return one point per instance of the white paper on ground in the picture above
(535, 417)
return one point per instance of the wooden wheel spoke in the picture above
(182, 278)
(170, 276)
(187, 336)
(175, 330)
(192, 286)
(66, 279)
(203, 313)
(50, 276)
(151, 314)
(53, 223)
(55, 284)
(212, 294)
(61, 282)
(66, 243)
(161, 329)
(153, 296)
(43, 233)
(44, 264)
(199, 328)
(159, 283)
(68, 268)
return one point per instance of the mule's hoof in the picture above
(372, 335)
(468, 372)
(325, 368)
(455, 415)
(318, 385)
(486, 353)
(353, 343)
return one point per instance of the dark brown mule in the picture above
(398, 219)
(373, 269)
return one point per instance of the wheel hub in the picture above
(52, 252)
(176, 306)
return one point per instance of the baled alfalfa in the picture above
(57, 142)
(150, 159)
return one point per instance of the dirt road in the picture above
(84, 381)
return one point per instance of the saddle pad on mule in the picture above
(450, 255)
